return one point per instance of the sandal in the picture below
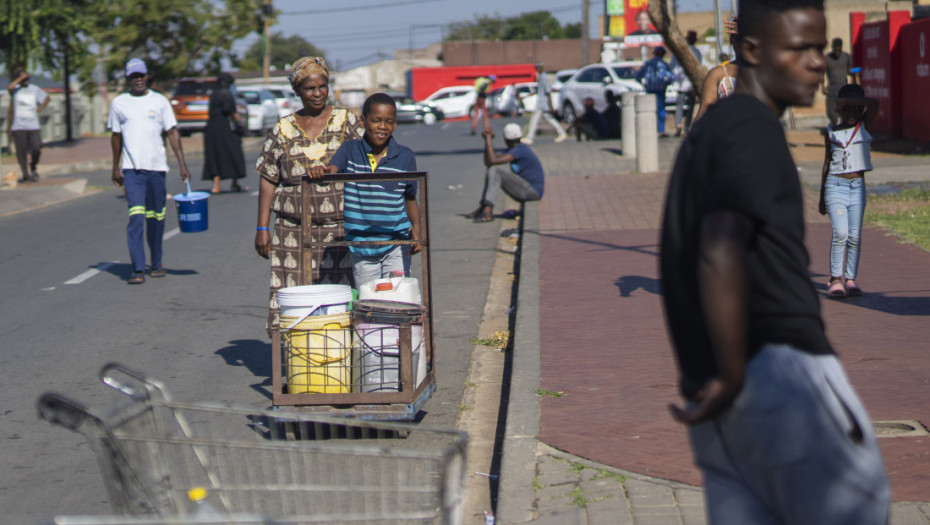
(484, 217)
(157, 272)
(852, 289)
(836, 290)
(137, 278)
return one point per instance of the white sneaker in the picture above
(560, 138)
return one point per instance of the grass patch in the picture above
(470, 384)
(464, 408)
(578, 498)
(498, 340)
(577, 467)
(606, 474)
(550, 393)
(907, 214)
(537, 484)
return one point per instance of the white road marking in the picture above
(171, 234)
(90, 273)
(255, 194)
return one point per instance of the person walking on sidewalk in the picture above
(655, 76)
(482, 85)
(28, 100)
(842, 185)
(839, 69)
(523, 179)
(138, 119)
(543, 107)
(774, 425)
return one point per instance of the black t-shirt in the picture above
(736, 158)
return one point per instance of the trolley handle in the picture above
(62, 411)
(134, 384)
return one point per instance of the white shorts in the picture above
(796, 448)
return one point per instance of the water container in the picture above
(314, 300)
(192, 211)
(376, 355)
(400, 289)
(317, 354)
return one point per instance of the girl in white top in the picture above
(842, 189)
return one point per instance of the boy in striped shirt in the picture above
(378, 211)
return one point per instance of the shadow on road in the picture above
(254, 355)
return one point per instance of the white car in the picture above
(595, 81)
(513, 99)
(263, 110)
(557, 81)
(285, 98)
(454, 101)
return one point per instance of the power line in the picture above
(356, 8)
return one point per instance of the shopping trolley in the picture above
(152, 450)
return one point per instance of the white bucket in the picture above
(400, 289)
(314, 300)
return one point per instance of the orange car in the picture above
(191, 100)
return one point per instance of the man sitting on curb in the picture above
(523, 180)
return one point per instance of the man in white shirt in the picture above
(543, 107)
(137, 120)
(28, 100)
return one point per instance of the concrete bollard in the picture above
(628, 123)
(647, 138)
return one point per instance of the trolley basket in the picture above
(152, 450)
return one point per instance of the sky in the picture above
(358, 32)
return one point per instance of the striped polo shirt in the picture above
(376, 211)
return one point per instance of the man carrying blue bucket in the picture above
(137, 120)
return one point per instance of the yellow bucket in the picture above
(317, 354)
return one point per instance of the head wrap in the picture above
(305, 67)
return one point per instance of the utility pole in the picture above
(718, 27)
(266, 40)
(585, 30)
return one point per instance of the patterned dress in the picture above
(286, 155)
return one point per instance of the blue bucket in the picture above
(192, 211)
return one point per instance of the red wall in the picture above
(426, 80)
(876, 44)
(914, 47)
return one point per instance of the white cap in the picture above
(512, 131)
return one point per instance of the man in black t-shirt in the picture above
(774, 425)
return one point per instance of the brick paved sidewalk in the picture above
(607, 371)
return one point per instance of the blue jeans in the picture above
(845, 200)
(146, 195)
(795, 448)
(660, 110)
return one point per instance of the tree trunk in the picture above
(667, 26)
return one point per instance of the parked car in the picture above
(410, 111)
(513, 99)
(558, 80)
(453, 101)
(285, 98)
(263, 110)
(190, 102)
(594, 81)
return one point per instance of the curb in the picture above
(518, 459)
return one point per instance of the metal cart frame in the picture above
(152, 450)
(399, 406)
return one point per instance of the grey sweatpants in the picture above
(795, 448)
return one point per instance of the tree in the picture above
(284, 50)
(535, 25)
(175, 37)
(667, 26)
